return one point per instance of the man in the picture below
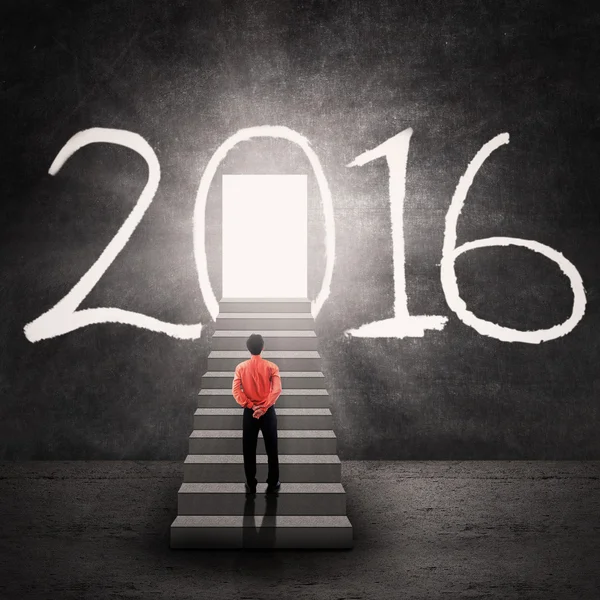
(256, 387)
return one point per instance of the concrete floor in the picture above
(421, 530)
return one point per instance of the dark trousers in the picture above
(268, 425)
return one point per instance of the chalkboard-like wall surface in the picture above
(420, 126)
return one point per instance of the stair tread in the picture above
(273, 333)
(238, 488)
(256, 315)
(264, 300)
(230, 374)
(265, 354)
(282, 433)
(262, 458)
(286, 392)
(261, 520)
(280, 411)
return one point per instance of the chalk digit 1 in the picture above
(451, 251)
(64, 317)
(402, 324)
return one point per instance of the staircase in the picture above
(310, 509)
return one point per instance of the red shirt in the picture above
(256, 383)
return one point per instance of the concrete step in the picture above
(230, 499)
(293, 468)
(289, 379)
(256, 322)
(301, 360)
(289, 398)
(267, 531)
(260, 305)
(289, 441)
(233, 339)
(287, 418)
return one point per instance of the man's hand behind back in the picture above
(258, 412)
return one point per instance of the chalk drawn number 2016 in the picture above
(64, 317)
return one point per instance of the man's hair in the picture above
(255, 343)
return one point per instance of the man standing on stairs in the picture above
(256, 387)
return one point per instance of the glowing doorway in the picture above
(265, 243)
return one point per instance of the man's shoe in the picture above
(249, 489)
(273, 489)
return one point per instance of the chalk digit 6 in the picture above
(451, 251)
(64, 317)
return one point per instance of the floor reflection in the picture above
(264, 535)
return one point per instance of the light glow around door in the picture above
(265, 244)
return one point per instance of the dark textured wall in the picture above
(347, 75)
